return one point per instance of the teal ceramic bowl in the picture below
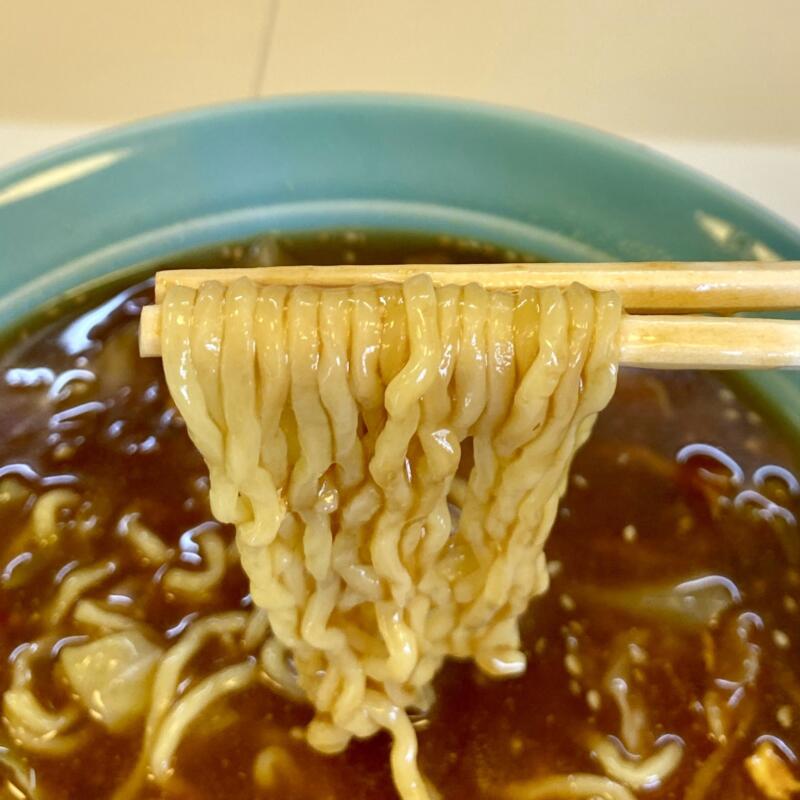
(532, 183)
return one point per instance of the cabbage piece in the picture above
(693, 603)
(112, 676)
(771, 773)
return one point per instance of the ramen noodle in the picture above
(335, 424)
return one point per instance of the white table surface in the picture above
(768, 173)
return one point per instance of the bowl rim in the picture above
(597, 139)
(780, 391)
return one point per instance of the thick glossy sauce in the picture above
(680, 486)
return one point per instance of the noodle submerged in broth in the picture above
(662, 662)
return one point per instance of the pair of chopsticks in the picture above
(683, 338)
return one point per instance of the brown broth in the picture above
(79, 409)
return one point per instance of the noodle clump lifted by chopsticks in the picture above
(392, 458)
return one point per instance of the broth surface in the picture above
(672, 614)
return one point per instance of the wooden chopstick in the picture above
(701, 342)
(680, 341)
(678, 287)
(659, 342)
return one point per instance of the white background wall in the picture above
(715, 82)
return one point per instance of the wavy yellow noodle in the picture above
(393, 458)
